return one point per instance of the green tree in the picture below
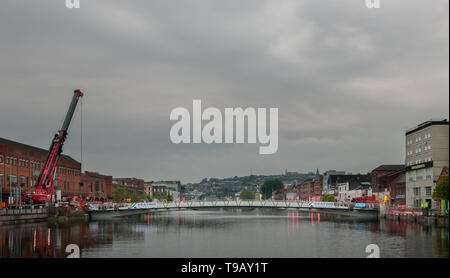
(165, 197)
(169, 197)
(328, 198)
(441, 190)
(148, 198)
(270, 186)
(118, 194)
(247, 195)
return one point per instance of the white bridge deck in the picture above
(139, 208)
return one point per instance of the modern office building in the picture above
(426, 155)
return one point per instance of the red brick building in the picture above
(309, 190)
(305, 189)
(96, 187)
(378, 181)
(20, 166)
(392, 180)
(396, 182)
(131, 185)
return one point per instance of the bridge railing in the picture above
(232, 203)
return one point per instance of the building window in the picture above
(23, 181)
(1, 180)
(419, 174)
(411, 175)
(428, 173)
(1, 159)
(12, 180)
(417, 203)
(409, 140)
(428, 191)
(416, 191)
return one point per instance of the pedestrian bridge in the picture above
(98, 212)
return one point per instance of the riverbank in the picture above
(439, 221)
(411, 215)
(23, 215)
(33, 215)
(24, 218)
(66, 214)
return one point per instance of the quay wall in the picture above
(23, 218)
(414, 216)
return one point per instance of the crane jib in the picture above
(46, 175)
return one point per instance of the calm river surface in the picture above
(260, 233)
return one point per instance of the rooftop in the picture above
(428, 123)
(390, 167)
(32, 149)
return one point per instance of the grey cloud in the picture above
(347, 80)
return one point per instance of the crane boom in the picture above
(44, 186)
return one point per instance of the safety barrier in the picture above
(23, 210)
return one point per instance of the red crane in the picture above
(44, 187)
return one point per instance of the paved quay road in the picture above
(260, 233)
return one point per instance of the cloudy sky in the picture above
(347, 80)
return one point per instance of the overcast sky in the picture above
(347, 80)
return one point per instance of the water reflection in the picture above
(224, 233)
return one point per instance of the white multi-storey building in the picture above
(426, 155)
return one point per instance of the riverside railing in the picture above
(22, 210)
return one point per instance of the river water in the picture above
(230, 233)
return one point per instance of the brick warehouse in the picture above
(21, 164)
(96, 187)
